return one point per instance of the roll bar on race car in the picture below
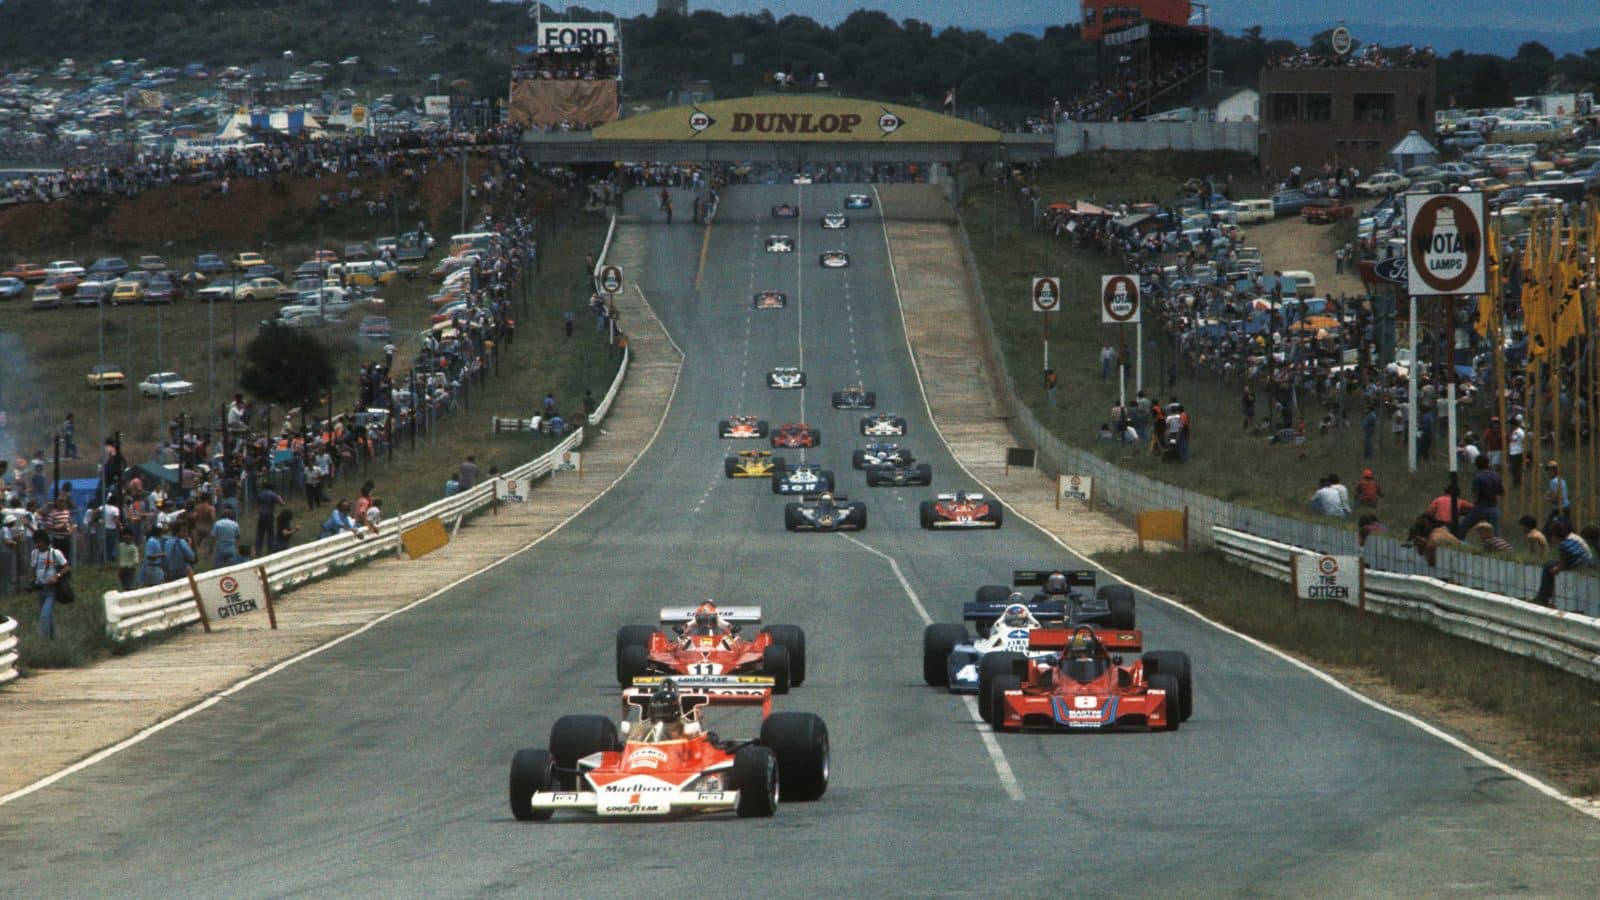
(733, 615)
(1037, 577)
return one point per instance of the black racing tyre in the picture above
(865, 424)
(993, 593)
(800, 742)
(761, 428)
(858, 459)
(791, 516)
(858, 511)
(925, 514)
(1169, 683)
(755, 777)
(872, 400)
(574, 737)
(872, 477)
(925, 473)
(990, 667)
(997, 699)
(938, 640)
(777, 482)
(778, 465)
(793, 639)
(730, 465)
(816, 437)
(633, 661)
(1176, 664)
(531, 772)
(997, 513)
(838, 400)
(635, 635)
(1119, 598)
(900, 423)
(722, 428)
(775, 665)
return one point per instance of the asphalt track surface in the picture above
(378, 768)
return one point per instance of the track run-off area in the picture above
(378, 767)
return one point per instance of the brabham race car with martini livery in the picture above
(1084, 686)
(662, 759)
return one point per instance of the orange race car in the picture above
(1084, 686)
(669, 762)
(742, 427)
(792, 434)
(706, 640)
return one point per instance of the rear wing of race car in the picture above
(1129, 640)
(706, 690)
(950, 498)
(982, 612)
(813, 497)
(754, 454)
(733, 615)
(1037, 577)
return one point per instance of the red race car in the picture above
(742, 427)
(670, 763)
(796, 435)
(706, 640)
(961, 510)
(1084, 686)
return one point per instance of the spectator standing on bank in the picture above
(154, 569)
(10, 536)
(1247, 400)
(127, 561)
(69, 437)
(1515, 448)
(469, 472)
(49, 566)
(267, 503)
(1108, 358)
(1487, 489)
(1556, 497)
(179, 555)
(284, 532)
(225, 536)
(58, 522)
(205, 516)
(1368, 491)
(1369, 433)
(1050, 386)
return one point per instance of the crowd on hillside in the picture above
(1115, 98)
(584, 62)
(353, 157)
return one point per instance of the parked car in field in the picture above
(243, 261)
(165, 384)
(1380, 183)
(26, 271)
(375, 328)
(106, 376)
(92, 293)
(45, 297)
(126, 292)
(152, 264)
(220, 288)
(1289, 203)
(209, 264)
(12, 288)
(109, 268)
(64, 267)
(1326, 211)
(160, 289)
(259, 289)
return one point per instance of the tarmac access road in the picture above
(378, 768)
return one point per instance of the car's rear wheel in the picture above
(778, 465)
(1174, 663)
(838, 400)
(925, 514)
(791, 516)
(633, 662)
(858, 511)
(1169, 683)
(574, 737)
(858, 459)
(997, 700)
(531, 772)
(816, 437)
(1119, 599)
(872, 400)
(938, 640)
(997, 514)
(900, 423)
(755, 777)
(925, 473)
(800, 743)
(775, 665)
(730, 466)
(722, 428)
(761, 428)
(990, 667)
(793, 639)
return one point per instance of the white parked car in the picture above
(64, 267)
(1383, 183)
(165, 384)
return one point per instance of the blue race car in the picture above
(857, 201)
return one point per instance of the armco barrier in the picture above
(1566, 640)
(8, 649)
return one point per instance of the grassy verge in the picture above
(540, 360)
(1227, 461)
(1516, 707)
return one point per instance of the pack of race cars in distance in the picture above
(661, 758)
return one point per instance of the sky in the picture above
(1231, 15)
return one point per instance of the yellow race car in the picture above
(753, 464)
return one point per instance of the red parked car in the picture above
(1328, 211)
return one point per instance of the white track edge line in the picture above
(158, 727)
(1002, 766)
(1587, 807)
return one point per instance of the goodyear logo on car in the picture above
(796, 118)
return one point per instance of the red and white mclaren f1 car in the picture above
(707, 640)
(663, 760)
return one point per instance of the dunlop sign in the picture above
(800, 118)
(1046, 294)
(1445, 244)
(1119, 299)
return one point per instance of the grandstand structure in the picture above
(569, 79)
(1154, 51)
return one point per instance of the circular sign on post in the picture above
(228, 584)
(1444, 244)
(1046, 294)
(1119, 299)
(1341, 41)
(610, 280)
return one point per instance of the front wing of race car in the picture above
(1088, 712)
(635, 797)
(899, 476)
(833, 221)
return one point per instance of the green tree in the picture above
(287, 366)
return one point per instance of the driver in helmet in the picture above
(665, 719)
(961, 496)
(1056, 584)
(1016, 615)
(825, 502)
(707, 622)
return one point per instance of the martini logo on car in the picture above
(1445, 244)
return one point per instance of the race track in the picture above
(379, 767)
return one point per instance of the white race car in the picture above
(835, 220)
(857, 201)
(770, 300)
(835, 259)
(802, 178)
(780, 243)
(786, 378)
(806, 478)
(883, 424)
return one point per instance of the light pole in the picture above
(161, 387)
(100, 326)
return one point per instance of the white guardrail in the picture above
(8, 649)
(158, 608)
(1566, 640)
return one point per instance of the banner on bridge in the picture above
(796, 118)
